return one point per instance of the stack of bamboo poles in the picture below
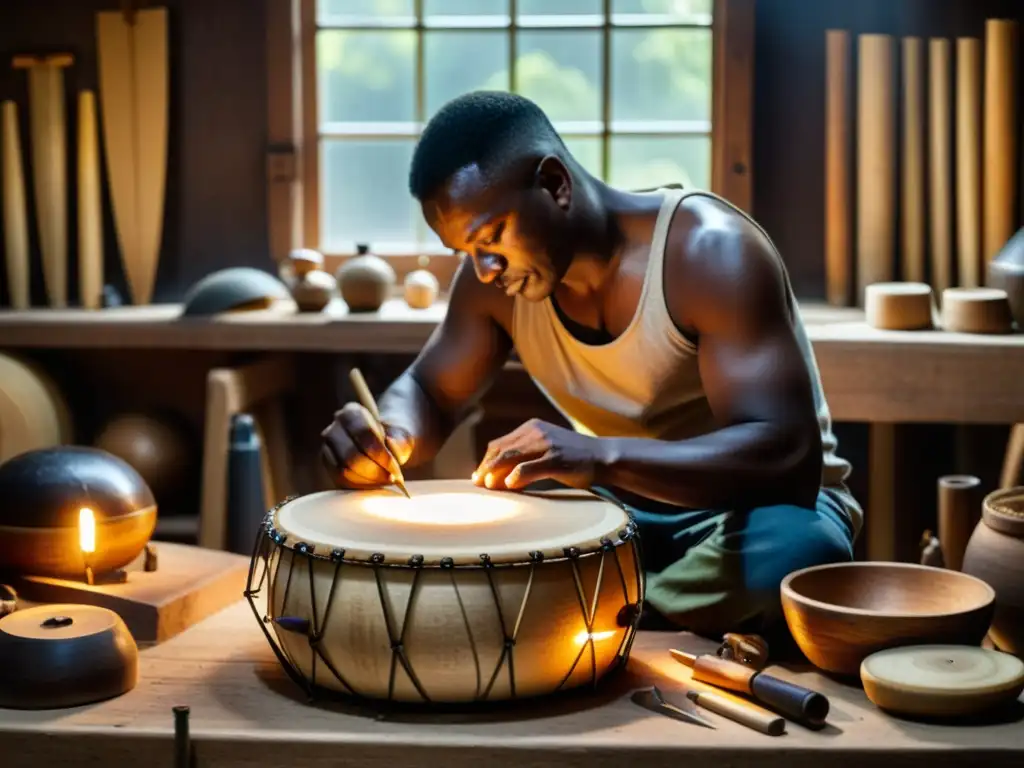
(922, 160)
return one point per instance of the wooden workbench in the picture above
(245, 712)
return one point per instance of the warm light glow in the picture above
(86, 530)
(583, 636)
(442, 508)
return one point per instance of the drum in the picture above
(457, 594)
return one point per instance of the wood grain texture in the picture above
(15, 215)
(732, 162)
(90, 205)
(838, 206)
(246, 713)
(1000, 134)
(913, 147)
(876, 162)
(968, 162)
(940, 162)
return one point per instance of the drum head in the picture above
(450, 519)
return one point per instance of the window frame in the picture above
(293, 161)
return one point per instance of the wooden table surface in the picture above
(245, 711)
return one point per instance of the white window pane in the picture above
(587, 151)
(561, 71)
(693, 11)
(366, 76)
(365, 194)
(661, 74)
(559, 7)
(365, 9)
(642, 163)
(464, 7)
(458, 62)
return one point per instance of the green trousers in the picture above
(714, 571)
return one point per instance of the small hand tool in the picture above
(367, 401)
(651, 698)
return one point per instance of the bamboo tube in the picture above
(876, 162)
(1000, 146)
(914, 186)
(968, 161)
(940, 183)
(15, 216)
(959, 511)
(90, 212)
(838, 250)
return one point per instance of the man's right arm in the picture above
(423, 406)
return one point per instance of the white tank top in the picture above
(646, 382)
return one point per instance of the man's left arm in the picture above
(768, 447)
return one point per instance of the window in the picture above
(628, 84)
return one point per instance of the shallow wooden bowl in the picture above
(841, 613)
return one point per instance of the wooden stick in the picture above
(1000, 146)
(49, 166)
(745, 713)
(90, 211)
(368, 402)
(968, 161)
(913, 191)
(940, 146)
(838, 248)
(15, 220)
(876, 162)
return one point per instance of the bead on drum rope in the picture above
(486, 560)
(606, 544)
(447, 563)
(416, 561)
(536, 556)
(571, 552)
(377, 558)
(337, 555)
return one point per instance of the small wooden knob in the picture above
(899, 306)
(976, 310)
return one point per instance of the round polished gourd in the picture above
(474, 594)
(42, 494)
(56, 656)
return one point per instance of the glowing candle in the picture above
(86, 530)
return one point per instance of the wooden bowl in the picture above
(841, 613)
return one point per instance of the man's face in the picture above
(515, 230)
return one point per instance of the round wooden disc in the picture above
(64, 656)
(941, 680)
(976, 310)
(899, 306)
(449, 518)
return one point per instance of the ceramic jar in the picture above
(995, 554)
(1006, 271)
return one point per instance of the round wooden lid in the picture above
(941, 679)
(450, 519)
(64, 655)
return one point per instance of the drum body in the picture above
(456, 595)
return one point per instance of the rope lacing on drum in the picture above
(398, 655)
(509, 639)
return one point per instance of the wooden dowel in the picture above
(1000, 128)
(968, 161)
(940, 160)
(838, 246)
(959, 511)
(15, 214)
(876, 162)
(90, 210)
(913, 145)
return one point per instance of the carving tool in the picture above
(800, 704)
(49, 166)
(652, 699)
(367, 401)
(15, 216)
(745, 713)
(132, 53)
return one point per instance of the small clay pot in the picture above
(365, 281)
(995, 554)
(1006, 271)
(314, 290)
(421, 289)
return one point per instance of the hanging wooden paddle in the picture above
(133, 69)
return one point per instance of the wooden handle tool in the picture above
(367, 401)
(799, 704)
(746, 714)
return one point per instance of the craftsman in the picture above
(662, 325)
